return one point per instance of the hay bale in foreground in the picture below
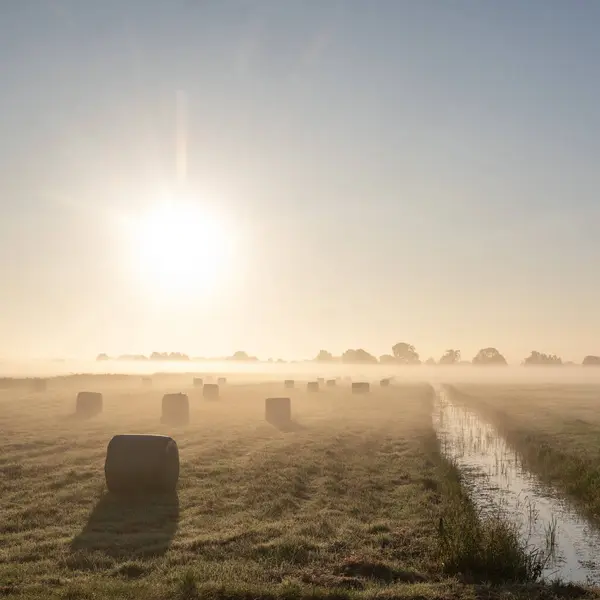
(278, 410)
(331, 383)
(140, 463)
(198, 382)
(289, 383)
(312, 386)
(384, 383)
(210, 391)
(39, 385)
(361, 387)
(88, 404)
(175, 409)
(221, 380)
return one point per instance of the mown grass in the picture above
(355, 502)
(555, 428)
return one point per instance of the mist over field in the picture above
(306, 369)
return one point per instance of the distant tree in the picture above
(386, 359)
(405, 354)
(539, 358)
(169, 356)
(591, 361)
(489, 356)
(242, 356)
(358, 356)
(102, 357)
(451, 357)
(430, 361)
(324, 356)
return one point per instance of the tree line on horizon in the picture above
(402, 353)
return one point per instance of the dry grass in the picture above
(345, 504)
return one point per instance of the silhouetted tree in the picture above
(489, 356)
(169, 356)
(430, 361)
(102, 357)
(591, 360)
(451, 357)
(242, 356)
(358, 356)
(386, 359)
(405, 353)
(539, 358)
(324, 356)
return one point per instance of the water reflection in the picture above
(497, 479)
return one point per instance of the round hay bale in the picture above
(88, 404)
(384, 383)
(140, 463)
(320, 380)
(331, 383)
(278, 410)
(221, 380)
(211, 391)
(289, 383)
(360, 387)
(175, 409)
(312, 386)
(39, 385)
(198, 382)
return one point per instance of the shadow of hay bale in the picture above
(290, 426)
(130, 526)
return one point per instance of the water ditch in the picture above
(496, 480)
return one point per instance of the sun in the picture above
(180, 247)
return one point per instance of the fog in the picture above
(261, 371)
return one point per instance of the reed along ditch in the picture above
(499, 484)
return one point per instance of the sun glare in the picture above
(180, 247)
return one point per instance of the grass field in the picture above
(353, 500)
(556, 428)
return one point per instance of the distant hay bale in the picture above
(289, 383)
(198, 382)
(175, 409)
(321, 380)
(88, 404)
(278, 410)
(39, 385)
(141, 463)
(384, 383)
(147, 381)
(210, 390)
(312, 386)
(331, 383)
(222, 380)
(360, 387)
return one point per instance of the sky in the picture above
(361, 173)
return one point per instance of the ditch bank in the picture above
(559, 541)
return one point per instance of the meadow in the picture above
(352, 500)
(555, 428)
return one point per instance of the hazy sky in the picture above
(422, 171)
